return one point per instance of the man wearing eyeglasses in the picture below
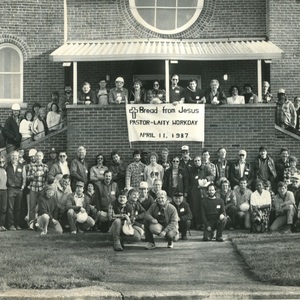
(60, 167)
(176, 91)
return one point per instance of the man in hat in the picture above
(118, 94)
(184, 214)
(145, 198)
(10, 130)
(59, 167)
(264, 166)
(162, 220)
(186, 161)
(77, 203)
(48, 212)
(286, 115)
(239, 169)
(53, 158)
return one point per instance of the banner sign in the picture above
(165, 122)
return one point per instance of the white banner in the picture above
(165, 122)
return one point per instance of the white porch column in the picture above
(75, 82)
(259, 81)
(167, 80)
(65, 21)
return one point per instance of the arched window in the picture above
(166, 16)
(11, 74)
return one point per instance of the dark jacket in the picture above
(105, 195)
(11, 132)
(142, 96)
(118, 173)
(234, 174)
(271, 167)
(221, 96)
(222, 169)
(182, 182)
(48, 206)
(70, 203)
(183, 211)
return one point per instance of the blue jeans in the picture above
(14, 196)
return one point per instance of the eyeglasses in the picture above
(100, 158)
(197, 160)
(176, 161)
(156, 84)
(175, 79)
(62, 156)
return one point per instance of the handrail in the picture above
(291, 134)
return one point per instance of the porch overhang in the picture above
(166, 49)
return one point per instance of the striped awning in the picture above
(156, 49)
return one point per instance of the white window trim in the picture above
(21, 73)
(140, 20)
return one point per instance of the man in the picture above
(186, 161)
(241, 169)
(135, 171)
(79, 168)
(222, 166)
(192, 93)
(184, 214)
(285, 208)
(118, 169)
(162, 220)
(206, 162)
(164, 158)
(144, 198)
(53, 158)
(87, 95)
(286, 115)
(213, 215)
(37, 175)
(156, 94)
(242, 195)
(157, 186)
(118, 94)
(62, 189)
(107, 191)
(282, 164)
(60, 167)
(295, 188)
(16, 181)
(64, 100)
(200, 176)
(48, 212)
(76, 204)
(176, 91)
(264, 166)
(10, 130)
(266, 95)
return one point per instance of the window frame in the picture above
(21, 73)
(140, 20)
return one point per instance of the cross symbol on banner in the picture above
(133, 112)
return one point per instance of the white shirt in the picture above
(64, 168)
(257, 199)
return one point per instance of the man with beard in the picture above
(79, 168)
(135, 171)
(118, 169)
(213, 215)
(295, 188)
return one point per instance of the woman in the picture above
(39, 125)
(250, 97)
(35, 110)
(260, 207)
(153, 170)
(234, 92)
(192, 93)
(156, 95)
(137, 94)
(97, 171)
(297, 108)
(25, 128)
(53, 118)
(87, 95)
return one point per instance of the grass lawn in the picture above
(31, 261)
(272, 258)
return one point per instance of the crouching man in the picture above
(48, 212)
(121, 214)
(213, 215)
(162, 220)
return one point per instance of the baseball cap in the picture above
(32, 152)
(80, 183)
(143, 185)
(281, 91)
(120, 79)
(296, 176)
(243, 152)
(178, 194)
(53, 150)
(185, 148)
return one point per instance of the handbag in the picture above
(127, 228)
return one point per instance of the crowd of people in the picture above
(152, 195)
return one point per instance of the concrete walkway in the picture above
(193, 269)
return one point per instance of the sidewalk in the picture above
(193, 269)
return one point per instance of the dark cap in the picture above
(178, 194)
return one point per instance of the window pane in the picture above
(165, 19)
(187, 3)
(10, 86)
(9, 60)
(145, 2)
(148, 15)
(184, 15)
(166, 3)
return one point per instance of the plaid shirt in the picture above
(37, 174)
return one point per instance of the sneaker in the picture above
(13, 228)
(220, 239)
(43, 232)
(150, 246)
(170, 244)
(18, 228)
(2, 228)
(74, 232)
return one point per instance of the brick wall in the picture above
(103, 129)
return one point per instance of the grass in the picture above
(272, 258)
(31, 261)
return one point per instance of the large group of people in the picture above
(152, 195)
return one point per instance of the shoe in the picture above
(220, 239)
(43, 233)
(74, 232)
(206, 239)
(170, 245)
(231, 228)
(13, 228)
(287, 231)
(18, 228)
(2, 228)
(184, 238)
(118, 247)
(150, 246)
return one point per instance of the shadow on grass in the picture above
(31, 261)
(272, 258)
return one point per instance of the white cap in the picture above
(143, 185)
(32, 152)
(120, 79)
(15, 106)
(243, 152)
(281, 91)
(185, 148)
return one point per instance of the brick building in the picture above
(250, 41)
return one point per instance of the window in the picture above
(166, 16)
(11, 74)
